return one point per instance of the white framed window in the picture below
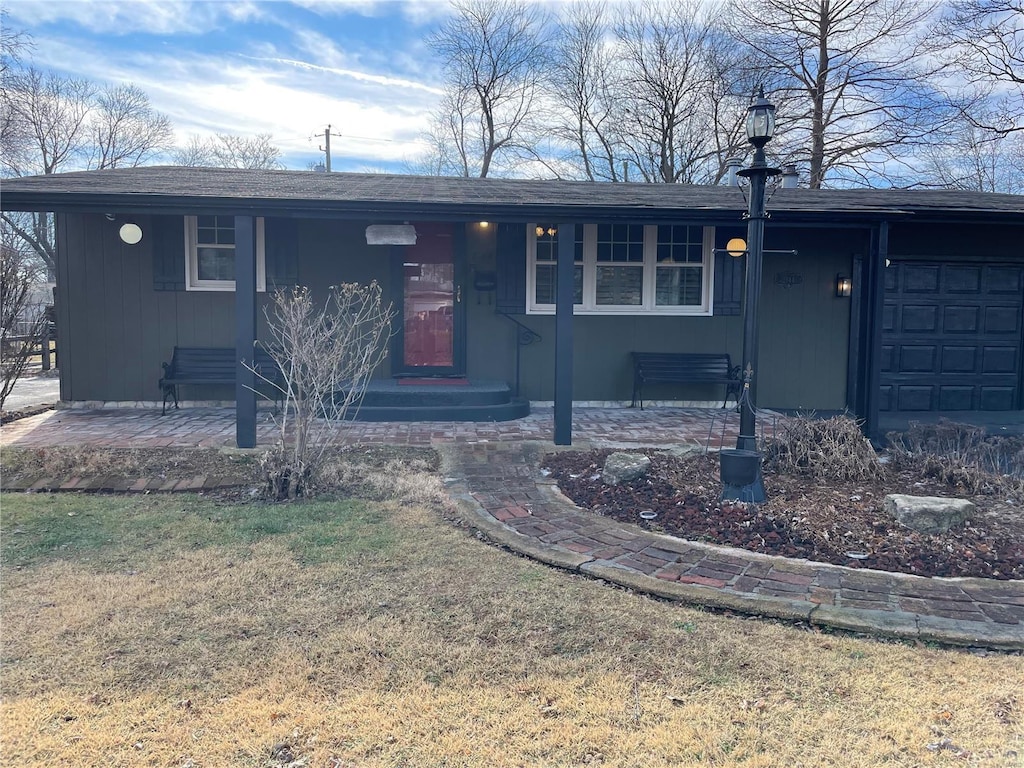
(631, 269)
(210, 254)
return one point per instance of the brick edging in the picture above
(662, 565)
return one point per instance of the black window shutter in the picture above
(728, 284)
(280, 243)
(168, 234)
(510, 296)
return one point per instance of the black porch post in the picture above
(245, 331)
(873, 336)
(563, 333)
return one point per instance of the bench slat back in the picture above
(212, 362)
(692, 367)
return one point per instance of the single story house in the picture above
(932, 320)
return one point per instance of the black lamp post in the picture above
(760, 128)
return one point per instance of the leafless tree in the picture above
(975, 159)
(230, 151)
(50, 115)
(125, 129)
(652, 87)
(493, 53)
(983, 40)
(862, 103)
(582, 78)
(14, 44)
(45, 129)
(665, 87)
(327, 352)
(21, 320)
(51, 123)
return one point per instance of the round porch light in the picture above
(736, 247)
(130, 233)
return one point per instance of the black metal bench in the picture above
(684, 368)
(212, 365)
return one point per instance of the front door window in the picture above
(429, 298)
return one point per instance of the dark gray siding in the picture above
(116, 328)
(804, 337)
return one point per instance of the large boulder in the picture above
(624, 467)
(928, 514)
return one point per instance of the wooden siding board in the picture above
(113, 317)
(804, 327)
(93, 299)
(152, 352)
(63, 296)
(132, 260)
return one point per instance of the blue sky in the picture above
(244, 67)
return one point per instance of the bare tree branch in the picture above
(861, 102)
(493, 52)
(230, 151)
(126, 130)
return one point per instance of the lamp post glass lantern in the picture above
(760, 129)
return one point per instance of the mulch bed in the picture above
(831, 522)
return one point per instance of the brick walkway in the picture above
(493, 471)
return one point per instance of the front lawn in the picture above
(184, 631)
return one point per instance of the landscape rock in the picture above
(928, 514)
(624, 467)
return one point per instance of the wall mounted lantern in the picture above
(844, 286)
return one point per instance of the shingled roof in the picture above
(179, 189)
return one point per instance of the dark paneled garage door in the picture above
(951, 338)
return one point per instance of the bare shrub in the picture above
(962, 455)
(327, 353)
(828, 449)
(21, 321)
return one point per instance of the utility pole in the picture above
(327, 146)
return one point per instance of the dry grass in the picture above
(176, 632)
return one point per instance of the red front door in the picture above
(431, 298)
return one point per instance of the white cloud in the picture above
(368, 77)
(418, 12)
(125, 17)
(371, 80)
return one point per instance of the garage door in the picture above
(951, 337)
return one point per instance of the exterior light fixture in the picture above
(844, 286)
(736, 247)
(484, 224)
(391, 234)
(760, 121)
(760, 129)
(130, 233)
